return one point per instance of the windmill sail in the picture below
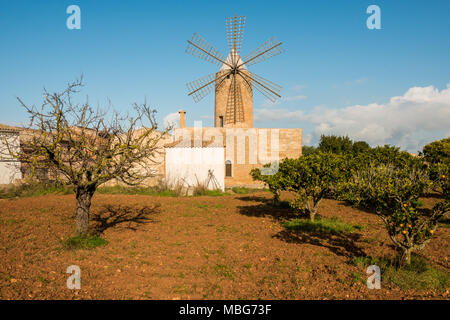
(233, 83)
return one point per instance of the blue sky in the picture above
(337, 75)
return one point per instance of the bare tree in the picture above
(86, 149)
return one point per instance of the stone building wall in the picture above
(245, 148)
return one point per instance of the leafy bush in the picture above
(273, 181)
(307, 150)
(393, 194)
(312, 178)
(437, 151)
(437, 154)
(335, 144)
(360, 147)
(332, 225)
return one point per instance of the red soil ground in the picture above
(227, 247)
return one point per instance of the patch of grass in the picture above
(10, 222)
(43, 280)
(224, 271)
(418, 275)
(137, 191)
(223, 228)
(244, 190)
(87, 242)
(189, 214)
(356, 277)
(211, 193)
(34, 190)
(323, 225)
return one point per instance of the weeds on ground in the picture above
(224, 271)
(418, 275)
(147, 191)
(87, 242)
(244, 190)
(323, 225)
(33, 190)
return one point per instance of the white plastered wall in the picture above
(9, 167)
(191, 165)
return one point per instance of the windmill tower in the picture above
(233, 83)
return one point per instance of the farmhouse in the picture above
(9, 167)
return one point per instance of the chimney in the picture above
(182, 122)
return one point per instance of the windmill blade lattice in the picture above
(268, 88)
(200, 88)
(235, 35)
(267, 50)
(234, 73)
(200, 48)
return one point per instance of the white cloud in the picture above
(171, 120)
(419, 116)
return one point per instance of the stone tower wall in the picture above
(221, 98)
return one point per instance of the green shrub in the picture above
(335, 144)
(312, 178)
(393, 194)
(34, 189)
(84, 242)
(437, 151)
(147, 191)
(323, 225)
(307, 150)
(272, 181)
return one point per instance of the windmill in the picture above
(234, 82)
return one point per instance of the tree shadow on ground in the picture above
(264, 207)
(128, 217)
(341, 244)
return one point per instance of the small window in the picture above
(228, 168)
(221, 121)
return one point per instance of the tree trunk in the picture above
(407, 256)
(312, 214)
(83, 207)
(313, 211)
(276, 197)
